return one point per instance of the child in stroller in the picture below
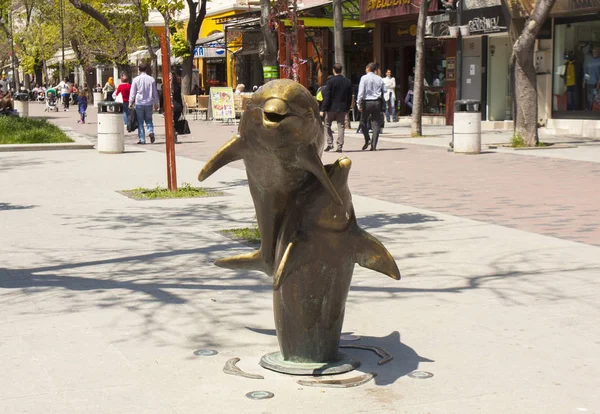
(51, 100)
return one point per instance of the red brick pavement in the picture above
(554, 197)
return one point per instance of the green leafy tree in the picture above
(183, 45)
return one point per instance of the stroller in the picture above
(51, 103)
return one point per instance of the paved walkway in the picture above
(104, 299)
(552, 192)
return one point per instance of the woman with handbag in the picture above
(122, 95)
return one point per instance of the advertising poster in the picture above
(221, 103)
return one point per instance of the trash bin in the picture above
(111, 132)
(467, 126)
(97, 98)
(21, 101)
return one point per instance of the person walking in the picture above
(109, 89)
(337, 99)
(65, 93)
(371, 91)
(177, 102)
(390, 96)
(83, 103)
(144, 96)
(123, 91)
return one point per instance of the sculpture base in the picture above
(275, 362)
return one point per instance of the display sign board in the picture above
(451, 68)
(380, 9)
(221, 103)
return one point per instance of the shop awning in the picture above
(213, 38)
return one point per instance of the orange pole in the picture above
(169, 134)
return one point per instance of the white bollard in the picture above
(97, 98)
(22, 107)
(111, 132)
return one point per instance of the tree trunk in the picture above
(269, 52)
(193, 31)
(294, 41)
(338, 34)
(418, 92)
(525, 92)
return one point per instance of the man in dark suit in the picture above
(337, 99)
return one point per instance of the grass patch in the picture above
(16, 130)
(517, 141)
(247, 234)
(157, 193)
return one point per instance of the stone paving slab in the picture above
(103, 300)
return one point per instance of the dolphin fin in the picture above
(249, 261)
(370, 253)
(310, 161)
(285, 266)
(233, 150)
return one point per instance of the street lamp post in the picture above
(157, 23)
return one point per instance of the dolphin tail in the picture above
(370, 253)
(233, 150)
(249, 261)
(310, 161)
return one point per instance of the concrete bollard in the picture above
(111, 132)
(97, 98)
(467, 127)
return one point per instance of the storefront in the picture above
(394, 48)
(399, 56)
(576, 68)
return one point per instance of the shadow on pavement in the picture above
(406, 359)
(9, 206)
(382, 219)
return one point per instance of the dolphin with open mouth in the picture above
(280, 140)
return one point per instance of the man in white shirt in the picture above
(144, 95)
(390, 96)
(371, 91)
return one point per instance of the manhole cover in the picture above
(260, 395)
(420, 374)
(205, 352)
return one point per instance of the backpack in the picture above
(319, 96)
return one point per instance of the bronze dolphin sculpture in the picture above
(310, 239)
(281, 141)
(317, 248)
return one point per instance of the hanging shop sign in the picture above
(270, 72)
(381, 9)
(487, 20)
(211, 51)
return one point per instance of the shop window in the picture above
(576, 68)
(435, 80)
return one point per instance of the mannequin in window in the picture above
(591, 77)
(570, 77)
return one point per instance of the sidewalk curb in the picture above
(81, 142)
